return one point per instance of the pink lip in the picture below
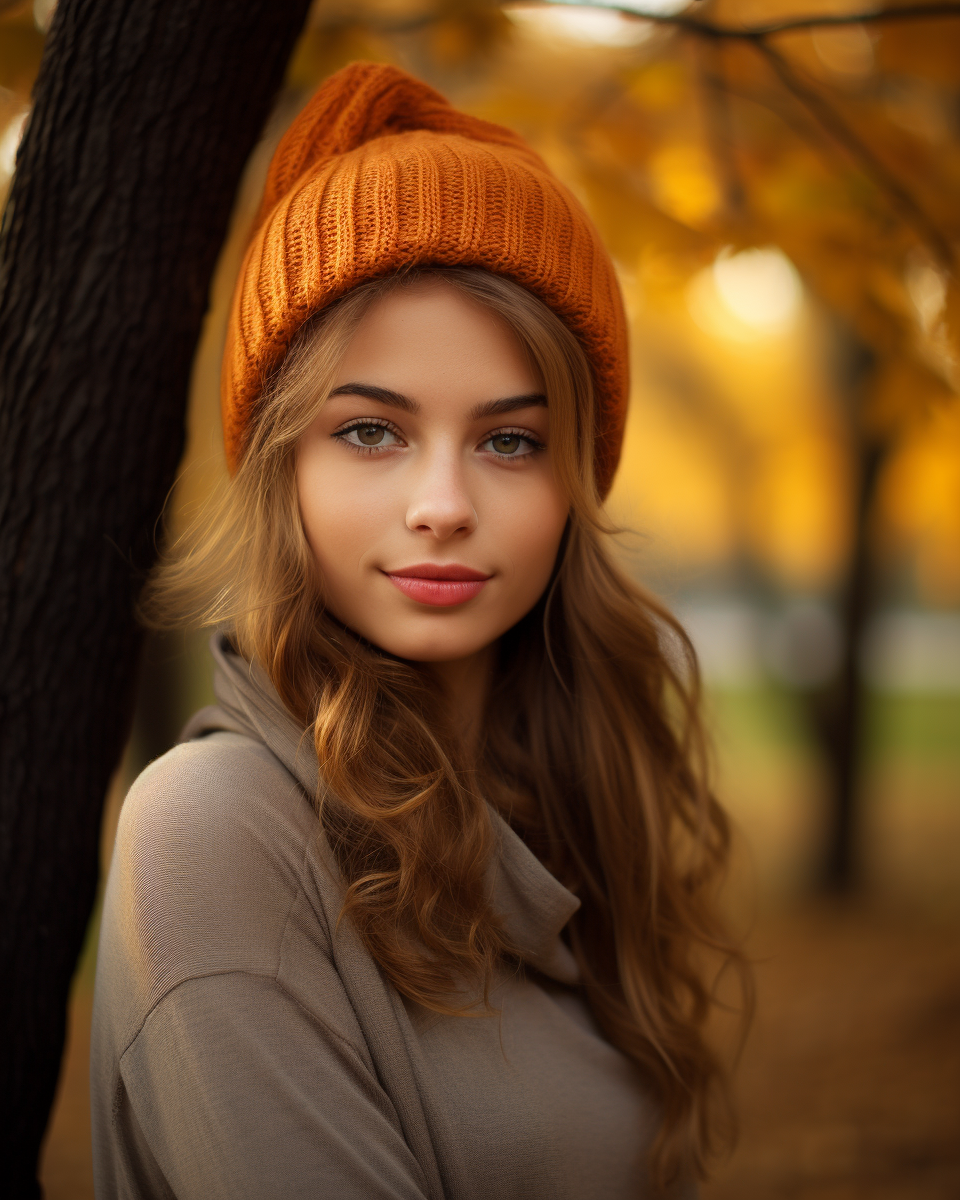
(441, 586)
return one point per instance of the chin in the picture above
(431, 652)
(431, 647)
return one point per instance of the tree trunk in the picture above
(144, 116)
(841, 712)
(838, 711)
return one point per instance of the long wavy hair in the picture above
(592, 743)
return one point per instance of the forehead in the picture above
(430, 336)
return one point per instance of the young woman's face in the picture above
(425, 483)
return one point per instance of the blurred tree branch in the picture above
(825, 114)
(720, 129)
(755, 33)
(696, 25)
(833, 123)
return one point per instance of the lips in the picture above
(439, 585)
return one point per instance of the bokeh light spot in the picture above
(761, 288)
(580, 23)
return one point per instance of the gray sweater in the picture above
(245, 1047)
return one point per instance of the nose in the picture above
(440, 504)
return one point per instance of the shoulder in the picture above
(210, 855)
(222, 793)
(213, 811)
(215, 883)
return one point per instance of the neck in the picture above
(465, 682)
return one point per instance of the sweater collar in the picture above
(533, 904)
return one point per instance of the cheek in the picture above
(340, 518)
(530, 534)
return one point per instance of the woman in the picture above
(421, 908)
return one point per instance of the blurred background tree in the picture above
(778, 181)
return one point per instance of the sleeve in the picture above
(238, 1093)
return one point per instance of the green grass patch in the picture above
(765, 720)
(919, 726)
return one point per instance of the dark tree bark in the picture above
(838, 711)
(144, 116)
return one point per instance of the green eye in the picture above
(370, 435)
(506, 443)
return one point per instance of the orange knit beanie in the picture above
(377, 173)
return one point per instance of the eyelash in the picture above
(340, 434)
(536, 445)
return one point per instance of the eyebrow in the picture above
(491, 408)
(382, 394)
(495, 408)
